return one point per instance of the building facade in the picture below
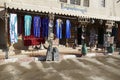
(97, 10)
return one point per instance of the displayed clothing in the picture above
(106, 40)
(114, 33)
(36, 26)
(13, 28)
(31, 40)
(28, 21)
(45, 27)
(59, 28)
(93, 37)
(20, 25)
(68, 30)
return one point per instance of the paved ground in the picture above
(84, 68)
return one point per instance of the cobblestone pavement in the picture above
(84, 68)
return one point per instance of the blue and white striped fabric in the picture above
(36, 26)
(13, 28)
(28, 21)
(68, 31)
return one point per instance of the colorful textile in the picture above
(59, 28)
(45, 27)
(13, 28)
(28, 20)
(68, 31)
(31, 40)
(36, 26)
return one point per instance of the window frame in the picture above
(87, 3)
(75, 2)
(103, 3)
(62, 1)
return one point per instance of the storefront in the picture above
(69, 28)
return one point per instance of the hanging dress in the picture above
(28, 21)
(13, 28)
(36, 26)
(92, 37)
(68, 31)
(59, 28)
(45, 27)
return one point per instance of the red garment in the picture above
(31, 40)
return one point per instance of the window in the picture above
(65, 1)
(102, 3)
(86, 3)
(77, 2)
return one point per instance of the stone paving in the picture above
(84, 68)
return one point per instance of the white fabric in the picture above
(13, 28)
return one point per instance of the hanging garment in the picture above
(114, 33)
(45, 27)
(68, 31)
(13, 28)
(28, 20)
(36, 26)
(93, 37)
(31, 40)
(59, 28)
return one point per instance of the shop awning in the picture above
(39, 8)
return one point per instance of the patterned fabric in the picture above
(59, 28)
(36, 26)
(106, 40)
(45, 27)
(13, 28)
(93, 37)
(68, 31)
(28, 20)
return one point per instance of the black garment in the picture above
(101, 36)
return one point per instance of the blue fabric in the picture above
(68, 31)
(58, 29)
(28, 21)
(45, 27)
(13, 28)
(36, 26)
(114, 31)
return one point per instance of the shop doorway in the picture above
(101, 32)
(2, 34)
(79, 33)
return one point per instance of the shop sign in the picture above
(73, 7)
